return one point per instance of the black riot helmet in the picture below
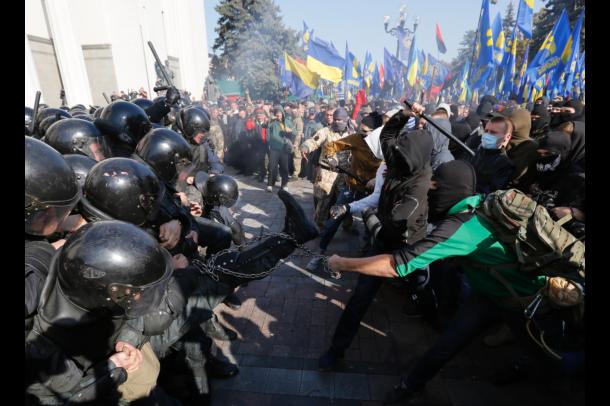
(143, 103)
(125, 122)
(113, 268)
(121, 189)
(49, 112)
(81, 165)
(193, 120)
(51, 189)
(76, 136)
(29, 116)
(167, 153)
(220, 190)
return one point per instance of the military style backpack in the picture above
(542, 245)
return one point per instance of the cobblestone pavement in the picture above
(287, 320)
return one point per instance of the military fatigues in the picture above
(296, 152)
(324, 179)
(217, 139)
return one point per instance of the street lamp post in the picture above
(400, 31)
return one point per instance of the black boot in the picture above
(232, 301)
(220, 369)
(296, 222)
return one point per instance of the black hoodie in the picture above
(403, 203)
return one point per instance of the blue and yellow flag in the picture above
(367, 70)
(324, 61)
(549, 55)
(569, 57)
(485, 45)
(351, 72)
(375, 82)
(300, 81)
(306, 36)
(464, 83)
(521, 78)
(509, 67)
(498, 36)
(525, 17)
(413, 65)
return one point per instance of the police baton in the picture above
(168, 80)
(106, 97)
(35, 113)
(438, 127)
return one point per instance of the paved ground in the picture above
(286, 322)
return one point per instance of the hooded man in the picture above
(460, 233)
(541, 119)
(521, 149)
(401, 217)
(324, 179)
(440, 152)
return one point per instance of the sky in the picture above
(360, 22)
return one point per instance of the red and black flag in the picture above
(439, 40)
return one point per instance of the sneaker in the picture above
(220, 369)
(504, 335)
(399, 394)
(269, 189)
(296, 222)
(329, 360)
(232, 301)
(314, 264)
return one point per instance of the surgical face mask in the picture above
(548, 164)
(489, 141)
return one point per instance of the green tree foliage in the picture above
(465, 52)
(508, 22)
(251, 38)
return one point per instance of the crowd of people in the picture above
(131, 243)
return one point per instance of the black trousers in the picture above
(215, 236)
(278, 158)
(365, 291)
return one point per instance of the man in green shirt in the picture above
(460, 233)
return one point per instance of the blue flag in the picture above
(352, 68)
(509, 68)
(521, 78)
(525, 17)
(485, 44)
(549, 55)
(388, 64)
(498, 36)
(571, 54)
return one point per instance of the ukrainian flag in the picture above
(352, 68)
(413, 66)
(300, 81)
(325, 61)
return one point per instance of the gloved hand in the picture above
(333, 163)
(172, 96)
(339, 210)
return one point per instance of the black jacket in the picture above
(403, 203)
(493, 168)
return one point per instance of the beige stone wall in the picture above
(101, 71)
(45, 61)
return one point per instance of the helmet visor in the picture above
(96, 148)
(137, 301)
(44, 218)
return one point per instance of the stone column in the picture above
(68, 52)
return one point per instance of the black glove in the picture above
(338, 211)
(172, 96)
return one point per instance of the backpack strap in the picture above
(564, 220)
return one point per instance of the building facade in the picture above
(91, 47)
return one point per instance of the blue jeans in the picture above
(332, 225)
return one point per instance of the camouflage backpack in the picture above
(542, 245)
